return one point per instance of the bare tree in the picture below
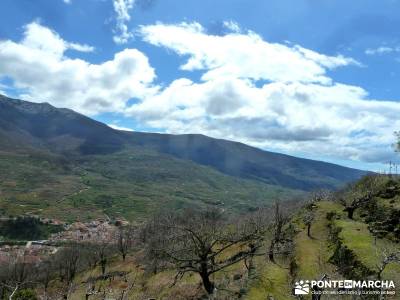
(202, 242)
(17, 273)
(68, 261)
(308, 219)
(46, 270)
(125, 238)
(103, 248)
(276, 228)
(88, 255)
(321, 195)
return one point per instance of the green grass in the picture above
(312, 254)
(274, 280)
(368, 249)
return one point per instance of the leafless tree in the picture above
(17, 273)
(88, 255)
(308, 219)
(276, 228)
(202, 242)
(103, 249)
(46, 271)
(321, 195)
(68, 261)
(125, 239)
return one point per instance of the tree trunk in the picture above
(123, 256)
(350, 212)
(309, 230)
(271, 252)
(208, 285)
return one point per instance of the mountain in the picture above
(240, 160)
(50, 155)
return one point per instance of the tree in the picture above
(356, 201)
(360, 194)
(68, 261)
(46, 271)
(16, 274)
(308, 219)
(202, 242)
(103, 250)
(276, 228)
(125, 238)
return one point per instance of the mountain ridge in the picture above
(229, 157)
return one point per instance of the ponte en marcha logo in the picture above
(355, 287)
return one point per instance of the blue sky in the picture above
(316, 79)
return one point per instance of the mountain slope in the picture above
(53, 160)
(64, 130)
(240, 160)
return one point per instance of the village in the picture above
(35, 251)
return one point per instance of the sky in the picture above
(309, 78)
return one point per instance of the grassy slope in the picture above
(132, 183)
(368, 250)
(313, 256)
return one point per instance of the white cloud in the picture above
(38, 37)
(232, 26)
(122, 10)
(296, 106)
(241, 55)
(80, 47)
(117, 127)
(382, 50)
(39, 66)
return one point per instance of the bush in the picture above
(26, 294)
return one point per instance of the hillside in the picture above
(55, 160)
(337, 247)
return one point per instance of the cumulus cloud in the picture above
(122, 10)
(39, 66)
(268, 95)
(241, 55)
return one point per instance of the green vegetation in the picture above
(26, 294)
(132, 183)
(26, 228)
(273, 281)
(60, 164)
